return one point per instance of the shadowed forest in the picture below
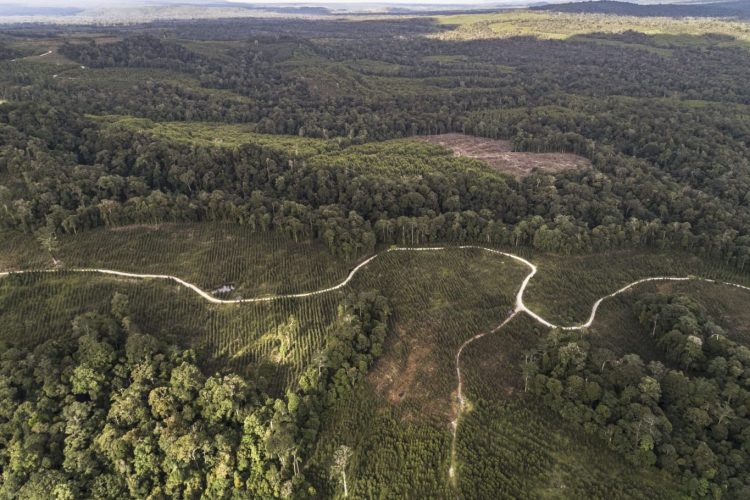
(603, 142)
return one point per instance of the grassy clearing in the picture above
(544, 25)
(566, 287)
(220, 134)
(207, 255)
(440, 299)
(437, 304)
(617, 328)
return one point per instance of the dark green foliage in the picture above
(110, 411)
(517, 449)
(686, 415)
(662, 119)
(392, 458)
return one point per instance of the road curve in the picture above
(520, 307)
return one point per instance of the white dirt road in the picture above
(520, 307)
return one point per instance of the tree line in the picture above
(109, 411)
(685, 413)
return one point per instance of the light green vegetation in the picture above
(224, 50)
(359, 78)
(516, 449)
(398, 423)
(21, 251)
(392, 458)
(492, 122)
(400, 157)
(438, 301)
(219, 134)
(566, 287)
(667, 31)
(377, 67)
(510, 446)
(270, 343)
(617, 327)
(209, 256)
(603, 40)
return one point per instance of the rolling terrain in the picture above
(478, 255)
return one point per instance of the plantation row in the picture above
(514, 449)
(210, 256)
(439, 300)
(565, 287)
(400, 434)
(393, 457)
(270, 342)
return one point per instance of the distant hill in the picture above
(21, 10)
(735, 8)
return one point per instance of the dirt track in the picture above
(520, 307)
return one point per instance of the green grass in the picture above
(617, 327)
(566, 287)
(221, 135)
(207, 255)
(438, 300)
(544, 25)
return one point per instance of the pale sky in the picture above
(104, 3)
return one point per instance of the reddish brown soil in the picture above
(498, 155)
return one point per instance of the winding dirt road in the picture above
(520, 307)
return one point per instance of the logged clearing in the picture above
(499, 155)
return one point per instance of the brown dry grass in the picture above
(499, 155)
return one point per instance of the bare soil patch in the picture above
(403, 376)
(499, 155)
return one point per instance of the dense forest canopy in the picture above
(306, 127)
(685, 411)
(666, 131)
